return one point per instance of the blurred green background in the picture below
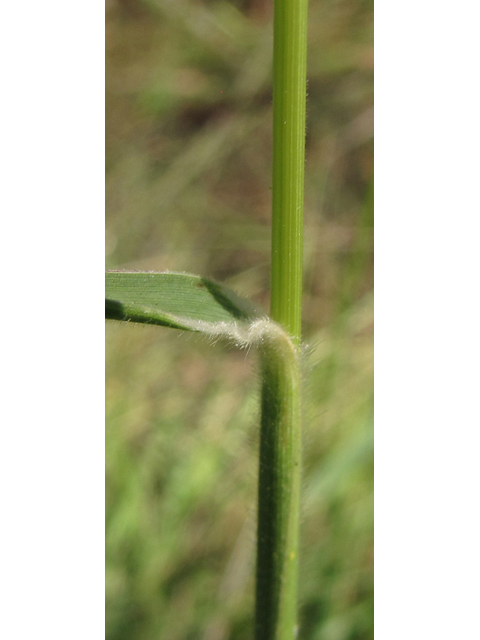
(188, 188)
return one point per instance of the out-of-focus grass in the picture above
(188, 188)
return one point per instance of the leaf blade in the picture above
(177, 300)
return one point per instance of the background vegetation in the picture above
(188, 188)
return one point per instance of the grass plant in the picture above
(150, 298)
(191, 481)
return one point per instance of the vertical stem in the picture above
(280, 444)
(279, 490)
(289, 98)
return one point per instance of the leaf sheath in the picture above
(279, 491)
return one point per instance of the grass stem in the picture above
(280, 444)
(289, 100)
(279, 491)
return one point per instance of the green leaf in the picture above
(177, 300)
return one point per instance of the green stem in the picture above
(279, 490)
(289, 99)
(280, 441)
